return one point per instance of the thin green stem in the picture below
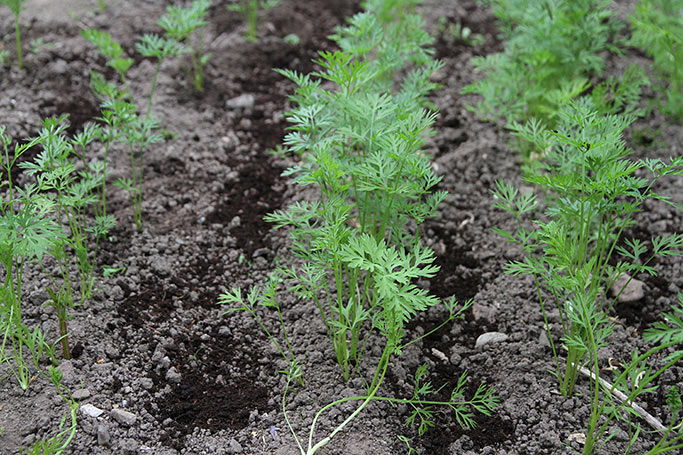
(138, 192)
(103, 192)
(425, 335)
(377, 382)
(17, 34)
(154, 85)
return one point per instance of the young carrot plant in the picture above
(15, 7)
(139, 135)
(121, 123)
(116, 117)
(153, 45)
(180, 25)
(249, 9)
(657, 26)
(363, 150)
(113, 51)
(72, 193)
(593, 194)
(360, 137)
(27, 232)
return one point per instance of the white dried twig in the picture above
(649, 418)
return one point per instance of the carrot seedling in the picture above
(249, 9)
(15, 7)
(577, 251)
(180, 25)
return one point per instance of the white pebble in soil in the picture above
(488, 338)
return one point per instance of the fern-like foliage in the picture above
(658, 30)
(552, 49)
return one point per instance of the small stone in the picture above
(159, 354)
(578, 437)
(165, 362)
(489, 337)
(162, 266)
(439, 355)
(68, 372)
(81, 394)
(234, 446)
(103, 436)
(172, 375)
(91, 411)
(112, 352)
(244, 101)
(633, 292)
(260, 252)
(146, 383)
(123, 417)
(60, 67)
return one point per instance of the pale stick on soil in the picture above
(649, 418)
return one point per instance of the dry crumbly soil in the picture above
(153, 340)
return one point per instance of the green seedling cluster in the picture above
(358, 128)
(33, 215)
(358, 242)
(552, 49)
(249, 9)
(15, 7)
(577, 250)
(45, 225)
(121, 120)
(658, 30)
(31, 234)
(187, 24)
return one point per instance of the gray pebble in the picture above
(244, 101)
(123, 417)
(146, 383)
(103, 436)
(490, 337)
(234, 446)
(60, 67)
(172, 375)
(81, 394)
(68, 372)
(633, 292)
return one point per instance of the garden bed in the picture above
(154, 342)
